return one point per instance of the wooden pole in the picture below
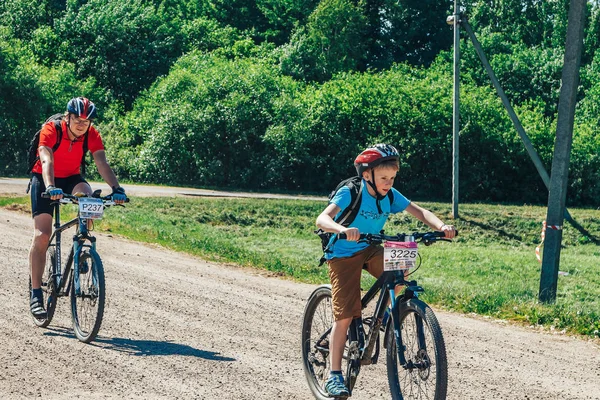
(562, 151)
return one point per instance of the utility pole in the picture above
(562, 150)
(455, 109)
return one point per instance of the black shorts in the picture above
(40, 205)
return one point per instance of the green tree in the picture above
(332, 41)
(125, 46)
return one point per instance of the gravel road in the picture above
(178, 327)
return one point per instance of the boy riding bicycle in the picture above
(57, 172)
(378, 166)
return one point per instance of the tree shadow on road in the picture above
(137, 347)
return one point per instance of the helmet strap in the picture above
(374, 187)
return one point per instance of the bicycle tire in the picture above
(317, 319)
(87, 308)
(430, 379)
(48, 288)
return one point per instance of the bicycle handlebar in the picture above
(71, 199)
(427, 237)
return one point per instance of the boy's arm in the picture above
(429, 219)
(325, 221)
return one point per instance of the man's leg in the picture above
(42, 228)
(82, 187)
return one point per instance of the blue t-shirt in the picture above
(368, 219)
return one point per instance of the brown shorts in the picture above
(345, 273)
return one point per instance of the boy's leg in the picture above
(339, 333)
(374, 260)
(344, 274)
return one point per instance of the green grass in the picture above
(490, 269)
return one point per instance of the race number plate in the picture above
(399, 255)
(90, 208)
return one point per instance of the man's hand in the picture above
(118, 195)
(54, 192)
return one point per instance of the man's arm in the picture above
(47, 161)
(104, 169)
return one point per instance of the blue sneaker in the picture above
(335, 386)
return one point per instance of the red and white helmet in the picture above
(374, 156)
(82, 107)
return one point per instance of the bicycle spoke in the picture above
(87, 307)
(424, 375)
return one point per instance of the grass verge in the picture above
(490, 269)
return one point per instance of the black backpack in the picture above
(32, 156)
(347, 216)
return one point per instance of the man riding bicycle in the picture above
(57, 172)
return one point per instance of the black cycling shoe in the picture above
(37, 309)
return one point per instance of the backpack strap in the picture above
(59, 133)
(348, 215)
(85, 150)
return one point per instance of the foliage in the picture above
(207, 119)
(331, 42)
(125, 46)
(282, 95)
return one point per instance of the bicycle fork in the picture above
(411, 292)
(78, 245)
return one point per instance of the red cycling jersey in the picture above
(67, 158)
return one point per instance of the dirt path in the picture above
(18, 186)
(178, 327)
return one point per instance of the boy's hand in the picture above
(352, 234)
(449, 230)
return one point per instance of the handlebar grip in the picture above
(46, 195)
(343, 236)
(441, 234)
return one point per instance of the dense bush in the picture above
(203, 124)
(279, 95)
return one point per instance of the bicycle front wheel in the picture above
(425, 373)
(87, 306)
(48, 288)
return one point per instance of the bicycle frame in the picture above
(386, 285)
(61, 280)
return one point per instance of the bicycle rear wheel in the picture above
(48, 288)
(87, 307)
(316, 330)
(425, 374)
